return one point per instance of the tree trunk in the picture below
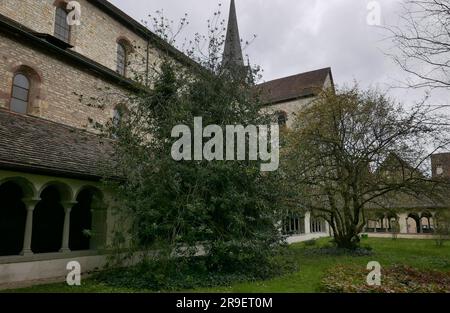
(346, 238)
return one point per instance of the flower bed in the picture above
(394, 279)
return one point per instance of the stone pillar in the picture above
(308, 222)
(30, 206)
(66, 231)
(420, 225)
(403, 223)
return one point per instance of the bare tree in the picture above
(353, 150)
(422, 43)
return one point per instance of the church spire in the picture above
(232, 56)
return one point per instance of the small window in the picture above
(282, 118)
(20, 94)
(62, 28)
(439, 170)
(117, 117)
(121, 59)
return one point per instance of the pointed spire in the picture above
(232, 56)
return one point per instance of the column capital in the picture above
(68, 205)
(31, 203)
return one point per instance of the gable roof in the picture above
(294, 87)
(40, 146)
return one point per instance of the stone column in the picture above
(66, 231)
(308, 222)
(403, 223)
(420, 225)
(30, 206)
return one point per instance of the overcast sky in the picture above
(295, 36)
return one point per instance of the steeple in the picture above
(232, 56)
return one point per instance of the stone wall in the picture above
(58, 87)
(96, 37)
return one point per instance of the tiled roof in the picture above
(294, 87)
(36, 145)
(402, 200)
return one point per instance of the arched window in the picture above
(117, 117)
(121, 59)
(282, 118)
(62, 28)
(20, 94)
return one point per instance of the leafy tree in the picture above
(226, 209)
(352, 149)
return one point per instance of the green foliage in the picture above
(311, 268)
(395, 228)
(310, 243)
(442, 227)
(198, 272)
(353, 150)
(225, 208)
(395, 279)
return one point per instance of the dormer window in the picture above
(62, 28)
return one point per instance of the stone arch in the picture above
(88, 201)
(413, 223)
(426, 222)
(123, 40)
(124, 50)
(28, 189)
(48, 218)
(392, 220)
(35, 79)
(66, 192)
(85, 226)
(13, 214)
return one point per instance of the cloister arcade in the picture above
(40, 214)
(415, 222)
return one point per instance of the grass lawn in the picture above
(422, 254)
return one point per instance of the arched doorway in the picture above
(12, 219)
(81, 221)
(413, 223)
(426, 222)
(48, 222)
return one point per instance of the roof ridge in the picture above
(296, 75)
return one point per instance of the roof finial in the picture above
(232, 56)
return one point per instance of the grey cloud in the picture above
(300, 35)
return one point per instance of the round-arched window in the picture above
(20, 94)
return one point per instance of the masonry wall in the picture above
(96, 37)
(292, 108)
(59, 87)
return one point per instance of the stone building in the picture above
(52, 207)
(415, 216)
